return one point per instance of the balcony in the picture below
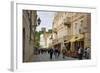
(55, 41)
(67, 37)
(55, 30)
(83, 30)
(67, 22)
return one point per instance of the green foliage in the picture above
(37, 38)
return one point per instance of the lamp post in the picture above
(38, 21)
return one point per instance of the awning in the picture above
(66, 41)
(73, 39)
(76, 38)
(80, 37)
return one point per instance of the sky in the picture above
(46, 19)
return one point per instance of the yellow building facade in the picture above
(81, 30)
(71, 29)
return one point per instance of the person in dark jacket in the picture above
(51, 53)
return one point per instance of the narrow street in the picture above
(46, 57)
(53, 32)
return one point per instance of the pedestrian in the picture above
(63, 53)
(51, 53)
(56, 52)
(80, 53)
(85, 53)
(48, 50)
(88, 53)
(38, 51)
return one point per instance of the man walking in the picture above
(55, 52)
(63, 53)
(51, 53)
(80, 53)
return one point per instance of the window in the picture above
(81, 23)
(75, 25)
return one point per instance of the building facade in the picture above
(45, 39)
(29, 20)
(71, 29)
(81, 30)
(42, 41)
(61, 32)
(49, 40)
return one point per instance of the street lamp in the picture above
(38, 21)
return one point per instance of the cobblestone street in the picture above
(46, 57)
